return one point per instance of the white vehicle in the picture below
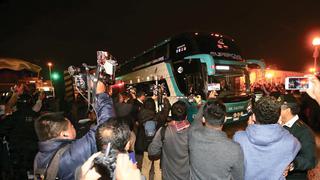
(192, 64)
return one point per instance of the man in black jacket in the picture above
(306, 158)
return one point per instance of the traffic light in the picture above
(55, 76)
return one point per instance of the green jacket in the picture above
(306, 158)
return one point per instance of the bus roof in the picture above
(181, 35)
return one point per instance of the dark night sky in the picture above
(69, 32)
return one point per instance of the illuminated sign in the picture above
(221, 44)
(223, 67)
(181, 48)
(226, 55)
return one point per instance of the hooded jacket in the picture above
(81, 149)
(174, 149)
(268, 150)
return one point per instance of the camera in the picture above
(86, 77)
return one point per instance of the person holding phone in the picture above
(314, 90)
(306, 158)
(113, 160)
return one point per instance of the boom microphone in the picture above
(88, 67)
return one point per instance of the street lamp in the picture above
(269, 75)
(316, 43)
(49, 65)
(312, 70)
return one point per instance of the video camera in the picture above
(85, 78)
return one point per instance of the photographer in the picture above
(113, 139)
(59, 153)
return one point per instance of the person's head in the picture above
(118, 98)
(179, 111)
(289, 107)
(141, 95)
(150, 104)
(117, 134)
(125, 97)
(266, 110)
(113, 131)
(54, 125)
(19, 88)
(214, 112)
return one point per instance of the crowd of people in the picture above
(129, 136)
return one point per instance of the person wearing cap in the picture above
(212, 154)
(268, 148)
(171, 143)
(306, 158)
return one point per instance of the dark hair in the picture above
(125, 95)
(116, 98)
(150, 104)
(50, 125)
(291, 102)
(117, 134)
(267, 110)
(140, 93)
(294, 107)
(214, 112)
(179, 111)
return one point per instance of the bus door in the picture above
(191, 77)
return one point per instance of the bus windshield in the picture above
(228, 84)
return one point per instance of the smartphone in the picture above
(297, 83)
(214, 87)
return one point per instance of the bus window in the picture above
(230, 84)
(149, 87)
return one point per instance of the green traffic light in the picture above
(55, 76)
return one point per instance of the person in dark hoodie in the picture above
(149, 123)
(268, 148)
(124, 110)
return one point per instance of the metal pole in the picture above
(315, 65)
(50, 74)
(53, 91)
(315, 56)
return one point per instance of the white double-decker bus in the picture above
(193, 63)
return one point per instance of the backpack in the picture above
(162, 134)
(50, 172)
(150, 129)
